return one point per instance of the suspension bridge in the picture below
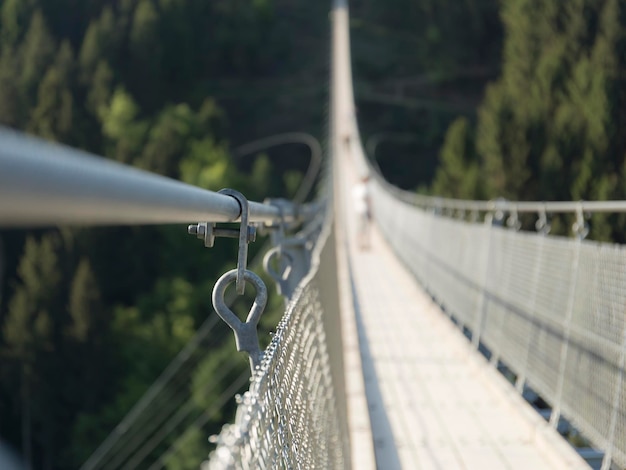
(417, 350)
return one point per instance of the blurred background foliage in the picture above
(90, 317)
(522, 99)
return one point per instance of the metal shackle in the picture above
(246, 337)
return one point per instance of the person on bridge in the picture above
(362, 207)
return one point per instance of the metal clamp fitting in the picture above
(279, 278)
(207, 231)
(277, 234)
(513, 221)
(498, 211)
(580, 227)
(542, 224)
(242, 254)
(246, 337)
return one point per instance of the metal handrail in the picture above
(500, 204)
(42, 183)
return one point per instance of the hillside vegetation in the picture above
(479, 98)
(553, 124)
(90, 317)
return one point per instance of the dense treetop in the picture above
(552, 126)
(522, 99)
(89, 318)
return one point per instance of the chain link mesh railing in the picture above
(551, 308)
(291, 416)
(294, 414)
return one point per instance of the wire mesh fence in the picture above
(291, 416)
(551, 308)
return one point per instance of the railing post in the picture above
(513, 224)
(481, 306)
(617, 397)
(521, 376)
(556, 406)
(432, 215)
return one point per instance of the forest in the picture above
(522, 99)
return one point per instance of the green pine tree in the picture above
(89, 322)
(100, 43)
(29, 334)
(100, 89)
(145, 54)
(53, 117)
(14, 15)
(458, 175)
(168, 140)
(37, 54)
(12, 103)
(552, 126)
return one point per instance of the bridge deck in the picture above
(433, 401)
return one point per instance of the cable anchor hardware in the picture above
(278, 228)
(580, 227)
(246, 337)
(284, 260)
(207, 231)
(498, 211)
(281, 278)
(543, 225)
(513, 221)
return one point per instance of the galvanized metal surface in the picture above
(49, 184)
(290, 418)
(244, 230)
(294, 415)
(435, 395)
(551, 308)
(434, 401)
(246, 337)
(502, 205)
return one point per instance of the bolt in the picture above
(251, 233)
(200, 231)
(197, 229)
